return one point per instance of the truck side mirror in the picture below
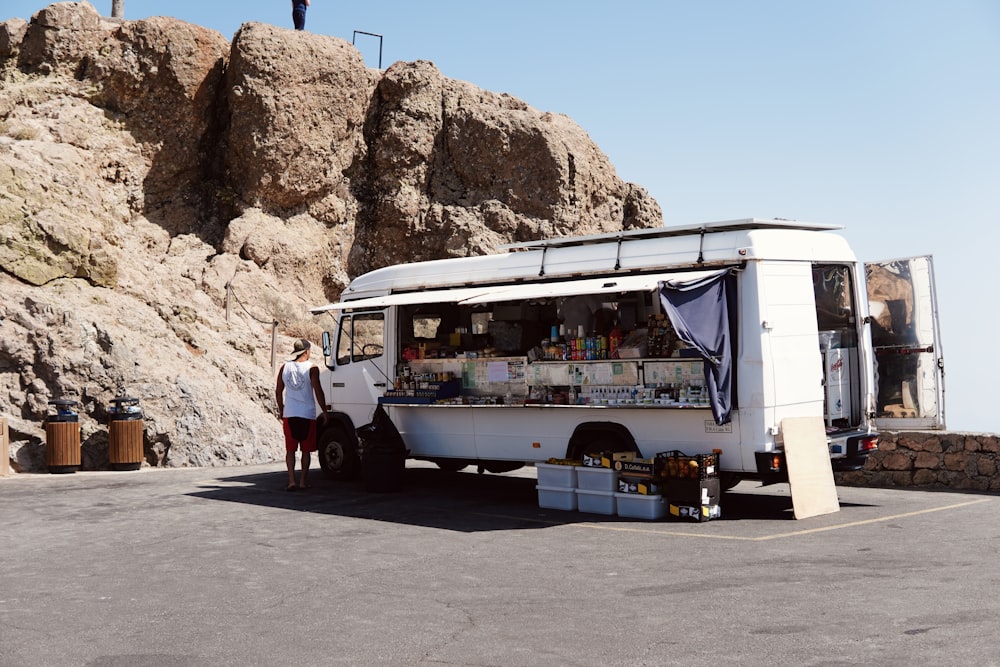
(327, 348)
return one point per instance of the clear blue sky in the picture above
(879, 115)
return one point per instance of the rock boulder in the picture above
(166, 196)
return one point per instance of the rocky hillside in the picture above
(146, 165)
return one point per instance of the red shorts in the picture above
(299, 430)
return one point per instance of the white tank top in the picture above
(299, 398)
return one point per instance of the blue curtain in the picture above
(700, 314)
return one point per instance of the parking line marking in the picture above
(628, 529)
(864, 522)
(794, 533)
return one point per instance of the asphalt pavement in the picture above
(222, 566)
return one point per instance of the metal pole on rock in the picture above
(274, 346)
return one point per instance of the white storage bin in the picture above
(596, 502)
(550, 474)
(638, 506)
(556, 498)
(596, 479)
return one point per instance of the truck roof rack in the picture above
(680, 230)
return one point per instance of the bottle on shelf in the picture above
(614, 340)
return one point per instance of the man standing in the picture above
(297, 392)
(299, 13)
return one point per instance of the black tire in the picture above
(594, 437)
(338, 454)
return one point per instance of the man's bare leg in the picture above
(304, 475)
(290, 464)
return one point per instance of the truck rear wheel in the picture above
(596, 437)
(599, 444)
(338, 454)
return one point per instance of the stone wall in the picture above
(931, 459)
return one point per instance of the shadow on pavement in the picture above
(459, 501)
(467, 502)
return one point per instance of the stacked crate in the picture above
(691, 484)
(639, 494)
(619, 483)
(596, 487)
(556, 486)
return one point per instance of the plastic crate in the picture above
(692, 491)
(680, 465)
(562, 476)
(636, 506)
(596, 502)
(556, 498)
(596, 479)
(699, 513)
(641, 485)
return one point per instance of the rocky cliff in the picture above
(146, 165)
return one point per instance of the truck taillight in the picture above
(869, 444)
(776, 462)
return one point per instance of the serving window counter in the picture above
(607, 350)
(516, 381)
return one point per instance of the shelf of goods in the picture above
(677, 383)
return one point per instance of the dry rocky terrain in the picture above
(146, 165)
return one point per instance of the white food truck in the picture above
(698, 339)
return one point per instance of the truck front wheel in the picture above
(338, 454)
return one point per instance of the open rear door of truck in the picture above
(909, 365)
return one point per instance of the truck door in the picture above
(358, 375)
(909, 364)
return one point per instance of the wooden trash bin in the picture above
(125, 431)
(62, 438)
